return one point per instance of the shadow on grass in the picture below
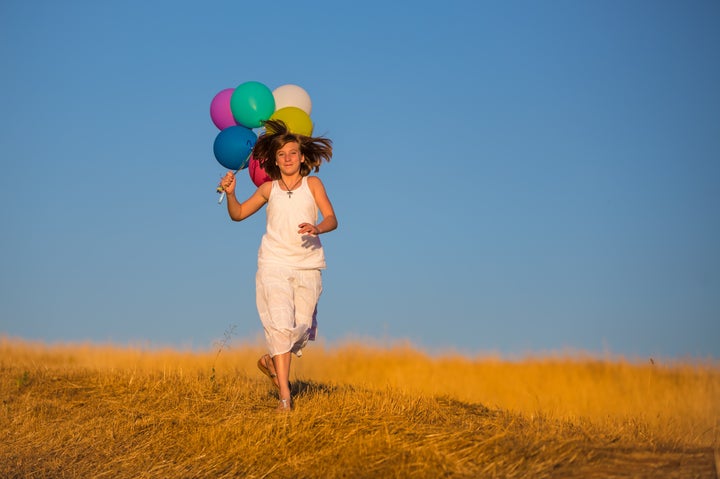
(307, 388)
(302, 388)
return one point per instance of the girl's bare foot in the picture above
(265, 364)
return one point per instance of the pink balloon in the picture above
(257, 174)
(220, 112)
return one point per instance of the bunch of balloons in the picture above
(239, 112)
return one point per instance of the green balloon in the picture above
(252, 103)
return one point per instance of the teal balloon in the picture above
(233, 146)
(252, 103)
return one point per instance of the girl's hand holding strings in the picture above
(228, 183)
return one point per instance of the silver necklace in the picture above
(289, 190)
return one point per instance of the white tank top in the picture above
(282, 244)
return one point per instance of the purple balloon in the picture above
(220, 111)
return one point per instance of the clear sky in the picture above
(510, 177)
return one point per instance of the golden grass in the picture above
(84, 410)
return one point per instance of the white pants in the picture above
(287, 303)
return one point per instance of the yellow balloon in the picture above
(296, 120)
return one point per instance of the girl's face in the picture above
(288, 158)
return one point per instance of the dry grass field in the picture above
(102, 411)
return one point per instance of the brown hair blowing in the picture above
(277, 135)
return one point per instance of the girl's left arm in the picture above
(329, 221)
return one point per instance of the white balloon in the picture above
(292, 95)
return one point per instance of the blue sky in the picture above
(510, 177)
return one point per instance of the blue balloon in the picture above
(233, 146)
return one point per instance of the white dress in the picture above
(289, 281)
